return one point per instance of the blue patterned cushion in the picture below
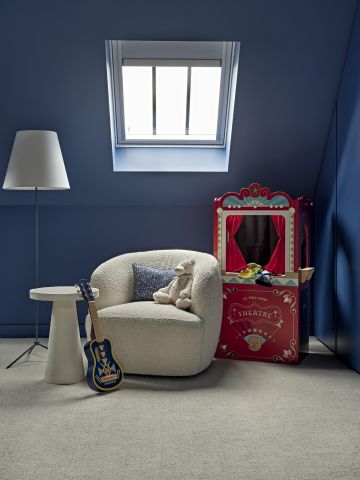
(148, 280)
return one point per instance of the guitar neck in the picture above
(95, 321)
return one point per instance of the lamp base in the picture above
(28, 350)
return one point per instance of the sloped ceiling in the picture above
(292, 55)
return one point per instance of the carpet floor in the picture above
(237, 420)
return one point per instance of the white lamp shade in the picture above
(36, 162)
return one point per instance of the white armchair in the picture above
(153, 339)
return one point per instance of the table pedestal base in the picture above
(65, 363)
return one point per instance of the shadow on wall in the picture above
(347, 284)
(325, 281)
(336, 286)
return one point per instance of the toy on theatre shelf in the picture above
(178, 291)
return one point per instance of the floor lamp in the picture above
(36, 163)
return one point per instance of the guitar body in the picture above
(104, 373)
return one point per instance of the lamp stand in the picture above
(36, 341)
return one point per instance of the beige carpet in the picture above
(238, 420)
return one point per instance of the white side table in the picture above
(65, 360)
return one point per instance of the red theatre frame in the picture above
(259, 322)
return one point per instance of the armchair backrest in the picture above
(114, 278)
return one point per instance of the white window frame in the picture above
(158, 53)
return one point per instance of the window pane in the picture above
(137, 85)
(204, 102)
(171, 85)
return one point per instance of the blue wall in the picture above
(53, 77)
(337, 210)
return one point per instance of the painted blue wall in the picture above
(338, 205)
(53, 77)
(325, 232)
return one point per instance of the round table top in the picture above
(59, 294)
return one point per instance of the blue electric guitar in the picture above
(104, 373)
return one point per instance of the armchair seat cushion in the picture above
(149, 314)
(154, 339)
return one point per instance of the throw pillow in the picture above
(147, 280)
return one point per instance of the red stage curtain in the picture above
(277, 261)
(235, 260)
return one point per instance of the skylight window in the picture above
(170, 93)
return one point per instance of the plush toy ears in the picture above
(179, 269)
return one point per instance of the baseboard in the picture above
(28, 331)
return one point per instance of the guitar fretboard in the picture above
(95, 321)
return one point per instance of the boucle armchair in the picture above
(153, 339)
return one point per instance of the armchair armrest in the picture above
(114, 280)
(207, 299)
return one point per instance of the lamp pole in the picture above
(36, 263)
(36, 339)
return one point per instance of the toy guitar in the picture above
(104, 373)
